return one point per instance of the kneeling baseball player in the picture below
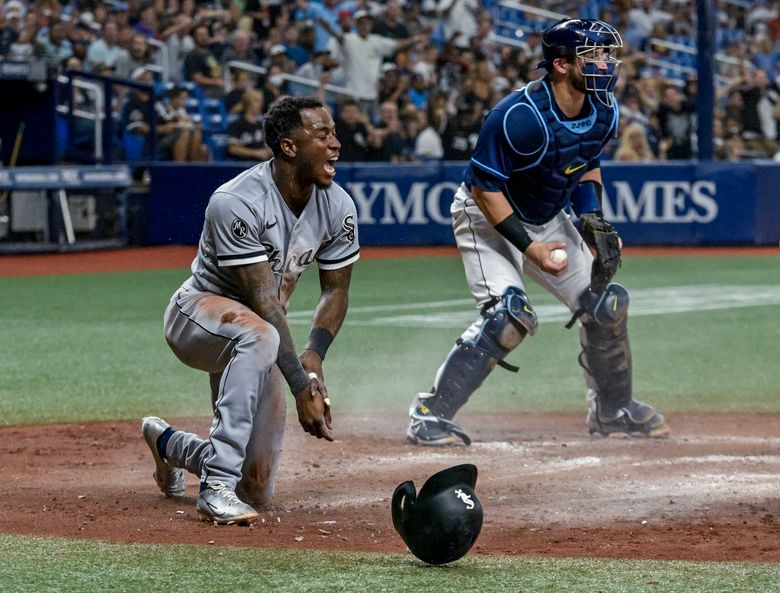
(262, 230)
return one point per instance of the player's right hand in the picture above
(539, 253)
(313, 405)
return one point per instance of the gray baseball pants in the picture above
(238, 349)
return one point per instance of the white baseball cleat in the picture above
(219, 504)
(169, 479)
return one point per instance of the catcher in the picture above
(537, 154)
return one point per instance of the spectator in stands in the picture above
(427, 144)
(315, 13)
(264, 15)
(353, 129)
(363, 53)
(460, 19)
(240, 49)
(9, 32)
(320, 72)
(391, 23)
(105, 51)
(419, 92)
(426, 63)
(179, 137)
(633, 145)
(278, 59)
(451, 68)
(179, 42)
(82, 34)
(643, 20)
(54, 46)
(675, 118)
(299, 43)
(760, 112)
(241, 81)
(274, 87)
(148, 25)
(246, 137)
(139, 56)
(415, 21)
(460, 136)
(202, 67)
(392, 86)
(387, 141)
(135, 118)
(344, 25)
(477, 91)
(23, 49)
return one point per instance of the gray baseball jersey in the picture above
(247, 221)
(209, 327)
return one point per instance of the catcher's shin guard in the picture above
(606, 359)
(466, 367)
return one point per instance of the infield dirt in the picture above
(710, 492)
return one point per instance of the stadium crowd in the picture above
(407, 80)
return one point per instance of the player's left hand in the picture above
(313, 405)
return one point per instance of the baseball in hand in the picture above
(558, 256)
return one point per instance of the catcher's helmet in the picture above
(443, 521)
(593, 41)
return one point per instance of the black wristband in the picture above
(293, 372)
(512, 229)
(319, 341)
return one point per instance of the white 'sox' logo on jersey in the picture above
(465, 498)
(348, 226)
(239, 228)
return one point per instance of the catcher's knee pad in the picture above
(606, 359)
(608, 309)
(471, 361)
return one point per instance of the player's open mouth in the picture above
(330, 165)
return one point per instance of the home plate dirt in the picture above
(710, 492)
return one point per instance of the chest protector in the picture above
(539, 189)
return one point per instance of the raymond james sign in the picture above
(673, 203)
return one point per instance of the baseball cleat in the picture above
(169, 479)
(636, 419)
(429, 430)
(428, 434)
(219, 504)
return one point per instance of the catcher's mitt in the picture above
(601, 236)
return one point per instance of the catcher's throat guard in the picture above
(442, 522)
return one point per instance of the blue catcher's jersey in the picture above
(533, 154)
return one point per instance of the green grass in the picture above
(80, 348)
(48, 565)
(90, 347)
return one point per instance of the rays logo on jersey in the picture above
(348, 226)
(239, 228)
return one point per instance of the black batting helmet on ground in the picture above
(442, 522)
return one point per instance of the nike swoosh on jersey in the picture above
(569, 170)
(269, 225)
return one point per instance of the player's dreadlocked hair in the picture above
(284, 117)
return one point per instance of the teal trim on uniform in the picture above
(489, 170)
(544, 127)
